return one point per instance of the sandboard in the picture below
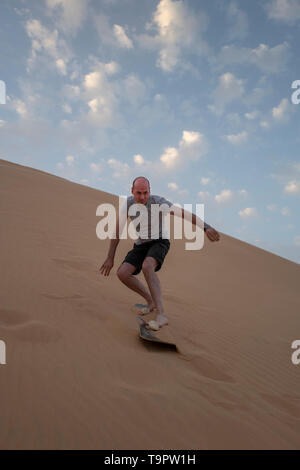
(136, 308)
(162, 336)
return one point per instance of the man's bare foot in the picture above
(151, 305)
(147, 309)
(161, 320)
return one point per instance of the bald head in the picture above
(141, 189)
(141, 180)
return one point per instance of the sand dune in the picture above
(77, 376)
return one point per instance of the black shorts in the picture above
(155, 248)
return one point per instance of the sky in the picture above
(195, 95)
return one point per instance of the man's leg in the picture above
(151, 277)
(125, 275)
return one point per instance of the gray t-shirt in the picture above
(156, 226)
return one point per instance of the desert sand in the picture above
(77, 375)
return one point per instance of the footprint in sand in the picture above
(20, 326)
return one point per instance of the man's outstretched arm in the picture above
(211, 233)
(109, 262)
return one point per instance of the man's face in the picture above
(141, 192)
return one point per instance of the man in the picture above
(148, 251)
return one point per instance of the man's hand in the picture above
(212, 234)
(106, 266)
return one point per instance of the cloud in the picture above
(100, 95)
(205, 180)
(252, 115)
(183, 192)
(121, 169)
(255, 97)
(170, 157)
(204, 195)
(192, 146)
(237, 138)
(105, 31)
(278, 115)
(72, 92)
(68, 168)
(178, 30)
(111, 68)
(289, 177)
(139, 159)
(70, 160)
(248, 212)
(132, 89)
(67, 108)
(95, 80)
(286, 211)
(70, 14)
(225, 196)
(230, 88)
(20, 107)
(121, 37)
(30, 105)
(238, 21)
(142, 163)
(243, 192)
(102, 111)
(287, 11)
(264, 124)
(96, 167)
(61, 66)
(267, 59)
(80, 136)
(114, 36)
(173, 186)
(281, 112)
(292, 187)
(46, 44)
